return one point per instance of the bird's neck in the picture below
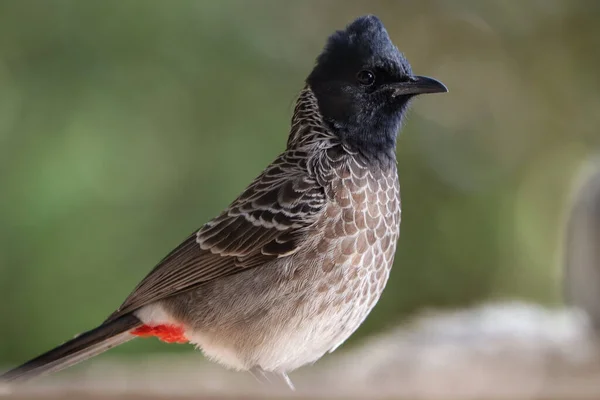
(376, 145)
(307, 123)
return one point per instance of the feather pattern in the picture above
(269, 220)
(320, 225)
(298, 304)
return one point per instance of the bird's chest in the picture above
(353, 251)
(359, 230)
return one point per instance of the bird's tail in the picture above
(82, 347)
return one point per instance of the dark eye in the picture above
(365, 77)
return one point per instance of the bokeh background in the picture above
(125, 125)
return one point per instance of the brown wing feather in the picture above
(268, 220)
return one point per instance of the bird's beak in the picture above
(419, 85)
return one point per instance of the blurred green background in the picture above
(125, 125)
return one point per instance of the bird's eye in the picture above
(365, 77)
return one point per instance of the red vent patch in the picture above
(165, 333)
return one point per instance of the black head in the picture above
(363, 85)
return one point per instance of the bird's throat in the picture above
(165, 333)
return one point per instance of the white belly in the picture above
(277, 347)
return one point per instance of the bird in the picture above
(293, 266)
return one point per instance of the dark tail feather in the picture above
(82, 347)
